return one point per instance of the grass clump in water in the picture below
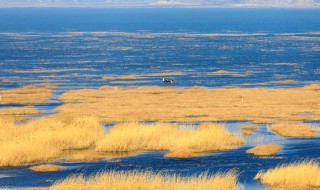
(223, 72)
(247, 129)
(247, 132)
(291, 129)
(181, 142)
(46, 168)
(265, 150)
(300, 175)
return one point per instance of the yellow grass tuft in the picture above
(47, 139)
(223, 72)
(104, 77)
(265, 150)
(249, 127)
(46, 168)
(118, 104)
(229, 73)
(303, 175)
(281, 82)
(118, 77)
(164, 74)
(278, 82)
(247, 132)
(291, 129)
(27, 95)
(181, 142)
(147, 180)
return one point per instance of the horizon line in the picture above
(167, 7)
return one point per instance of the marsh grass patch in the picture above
(298, 175)
(265, 150)
(292, 129)
(147, 180)
(46, 168)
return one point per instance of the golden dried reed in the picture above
(291, 129)
(46, 139)
(265, 150)
(118, 104)
(301, 175)
(181, 142)
(147, 180)
(46, 168)
(27, 95)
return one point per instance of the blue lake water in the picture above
(75, 48)
(82, 45)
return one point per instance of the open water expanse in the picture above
(82, 48)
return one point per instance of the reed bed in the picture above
(265, 150)
(47, 139)
(180, 142)
(146, 180)
(300, 175)
(163, 74)
(84, 139)
(283, 82)
(196, 104)
(223, 72)
(248, 127)
(291, 129)
(119, 77)
(17, 113)
(247, 132)
(46, 168)
(27, 95)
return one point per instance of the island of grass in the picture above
(46, 168)
(300, 175)
(265, 150)
(291, 129)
